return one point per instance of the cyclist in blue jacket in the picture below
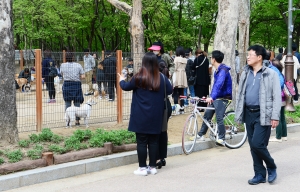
(221, 93)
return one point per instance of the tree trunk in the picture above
(244, 23)
(136, 29)
(226, 33)
(8, 109)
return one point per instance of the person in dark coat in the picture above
(163, 137)
(147, 109)
(101, 80)
(47, 63)
(201, 68)
(109, 68)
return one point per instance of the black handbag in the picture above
(165, 117)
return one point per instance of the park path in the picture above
(216, 169)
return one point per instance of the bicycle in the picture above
(235, 135)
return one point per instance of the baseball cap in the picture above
(154, 48)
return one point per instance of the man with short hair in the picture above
(258, 104)
(27, 75)
(279, 56)
(89, 65)
(220, 94)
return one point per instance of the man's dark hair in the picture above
(47, 53)
(280, 49)
(294, 47)
(187, 52)
(268, 55)
(236, 52)
(218, 56)
(277, 64)
(26, 70)
(259, 50)
(130, 59)
(86, 50)
(69, 56)
(180, 52)
(107, 53)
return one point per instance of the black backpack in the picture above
(53, 72)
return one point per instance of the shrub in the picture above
(1, 161)
(82, 135)
(24, 143)
(56, 138)
(57, 149)
(14, 156)
(1, 152)
(73, 143)
(46, 135)
(34, 138)
(35, 153)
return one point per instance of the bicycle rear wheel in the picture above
(236, 134)
(189, 132)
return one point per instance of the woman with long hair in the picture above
(201, 67)
(147, 108)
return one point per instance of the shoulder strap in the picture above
(165, 90)
(201, 63)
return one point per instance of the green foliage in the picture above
(46, 135)
(34, 138)
(117, 137)
(35, 153)
(73, 143)
(57, 149)
(56, 138)
(24, 143)
(14, 156)
(1, 161)
(82, 135)
(1, 152)
(293, 116)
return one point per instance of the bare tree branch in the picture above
(121, 6)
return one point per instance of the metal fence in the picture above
(36, 112)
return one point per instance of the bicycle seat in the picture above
(182, 97)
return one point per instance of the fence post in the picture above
(102, 55)
(21, 60)
(39, 110)
(119, 90)
(64, 56)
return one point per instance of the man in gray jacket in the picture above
(258, 104)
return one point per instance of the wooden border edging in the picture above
(22, 165)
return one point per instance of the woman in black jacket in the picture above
(147, 110)
(201, 68)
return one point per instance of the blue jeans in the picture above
(192, 92)
(68, 104)
(220, 107)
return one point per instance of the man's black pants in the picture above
(257, 136)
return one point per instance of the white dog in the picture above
(83, 111)
(57, 86)
(176, 109)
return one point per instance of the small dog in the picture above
(176, 109)
(83, 111)
(57, 86)
(21, 82)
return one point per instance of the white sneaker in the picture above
(274, 139)
(294, 101)
(220, 142)
(143, 171)
(151, 170)
(284, 138)
(199, 138)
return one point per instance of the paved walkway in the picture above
(217, 169)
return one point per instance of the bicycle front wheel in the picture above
(236, 134)
(189, 132)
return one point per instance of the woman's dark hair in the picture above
(277, 64)
(159, 43)
(259, 50)
(217, 55)
(69, 56)
(47, 53)
(236, 52)
(163, 68)
(148, 75)
(200, 52)
(180, 52)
